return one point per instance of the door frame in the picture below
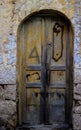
(20, 53)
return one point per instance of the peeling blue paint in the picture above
(11, 58)
(11, 45)
(1, 59)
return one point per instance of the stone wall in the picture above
(12, 12)
(8, 105)
(77, 67)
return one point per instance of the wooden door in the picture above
(45, 76)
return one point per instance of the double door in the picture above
(45, 77)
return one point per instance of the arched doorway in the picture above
(45, 71)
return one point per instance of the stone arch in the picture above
(49, 11)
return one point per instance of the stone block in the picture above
(77, 98)
(77, 89)
(11, 124)
(8, 75)
(77, 75)
(8, 92)
(7, 108)
(77, 109)
(77, 121)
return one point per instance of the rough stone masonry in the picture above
(12, 12)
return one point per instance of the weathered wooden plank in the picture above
(43, 75)
(33, 67)
(58, 68)
(35, 85)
